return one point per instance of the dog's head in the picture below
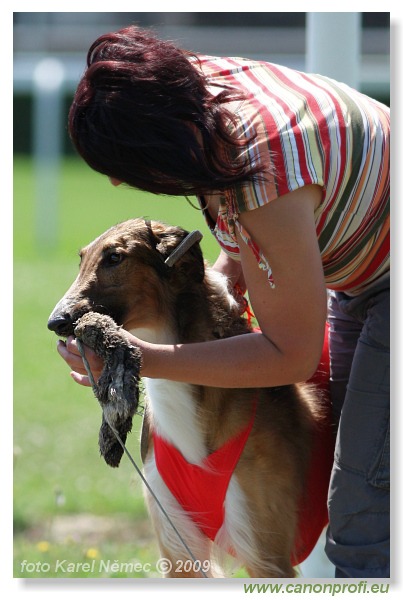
(123, 274)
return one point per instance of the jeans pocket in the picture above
(379, 473)
(363, 437)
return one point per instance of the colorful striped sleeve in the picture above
(312, 130)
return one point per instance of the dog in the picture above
(233, 468)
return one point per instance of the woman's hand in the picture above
(231, 269)
(69, 352)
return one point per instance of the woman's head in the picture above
(142, 114)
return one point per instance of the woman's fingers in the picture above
(81, 379)
(68, 350)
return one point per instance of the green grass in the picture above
(58, 470)
(88, 205)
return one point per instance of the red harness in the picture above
(201, 490)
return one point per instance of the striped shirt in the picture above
(311, 130)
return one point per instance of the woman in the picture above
(292, 173)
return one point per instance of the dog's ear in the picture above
(160, 243)
(168, 241)
(191, 264)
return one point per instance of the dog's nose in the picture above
(61, 324)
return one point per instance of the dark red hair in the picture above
(142, 114)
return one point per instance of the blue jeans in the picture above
(359, 525)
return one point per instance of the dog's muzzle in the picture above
(64, 317)
(62, 325)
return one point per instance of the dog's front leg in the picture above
(175, 559)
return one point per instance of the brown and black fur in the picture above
(123, 275)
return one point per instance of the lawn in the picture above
(68, 505)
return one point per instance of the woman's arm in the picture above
(291, 316)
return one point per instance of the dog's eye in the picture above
(114, 258)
